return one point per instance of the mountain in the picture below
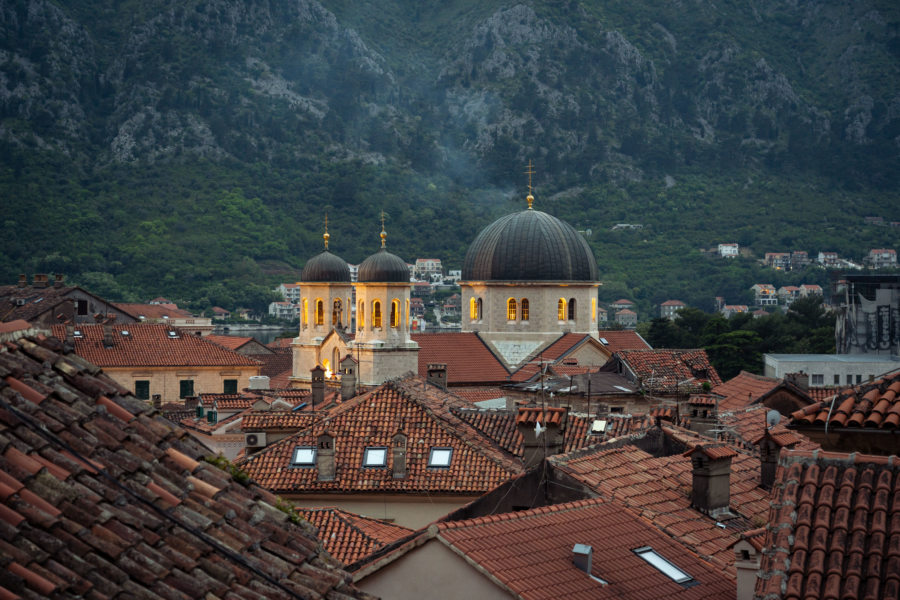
(190, 148)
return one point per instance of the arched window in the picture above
(304, 312)
(593, 310)
(361, 316)
(407, 313)
(561, 309)
(473, 309)
(478, 309)
(320, 312)
(395, 313)
(571, 309)
(337, 313)
(335, 359)
(524, 309)
(376, 313)
(511, 309)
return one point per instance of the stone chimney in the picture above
(58, 280)
(325, 457)
(542, 431)
(711, 481)
(437, 374)
(770, 446)
(398, 456)
(107, 336)
(582, 556)
(318, 385)
(157, 401)
(348, 378)
(23, 280)
(800, 380)
(40, 280)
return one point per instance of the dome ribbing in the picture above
(326, 267)
(383, 267)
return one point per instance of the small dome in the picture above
(325, 267)
(383, 267)
(529, 246)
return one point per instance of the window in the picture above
(561, 310)
(81, 307)
(665, 567)
(395, 313)
(337, 313)
(593, 309)
(376, 313)
(375, 457)
(320, 312)
(511, 309)
(849, 379)
(524, 309)
(185, 388)
(304, 312)
(142, 389)
(817, 379)
(859, 379)
(229, 386)
(572, 309)
(304, 456)
(473, 309)
(837, 379)
(361, 316)
(439, 458)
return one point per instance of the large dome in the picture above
(383, 267)
(529, 246)
(325, 267)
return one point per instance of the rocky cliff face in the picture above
(593, 92)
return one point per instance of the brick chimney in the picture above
(770, 446)
(437, 374)
(40, 280)
(542, 431)
(325, 457)
(800, 380)
(318, 385)
(348, 378)
(23, 280)
(58, 280)
(711, 481)
(398, 455)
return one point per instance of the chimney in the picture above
(542, 433)
(318, 386)
(259, 382)
(325, 457)
(437, 374)
(40, 280)
(157, 401)
(582, 555)
(769, 452)
(23, 280)
(711, 477)
(398, 458)
(107, 336)
(800, 380)
(58, 280)
(348, 378)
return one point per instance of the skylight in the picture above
(77, 333)
(375, 457)
(668, 569)
(604, 341)
(125, 332)
(304, 456)
(440, 457)
(598, 426)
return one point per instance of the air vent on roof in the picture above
(20, 301)
(255, 440)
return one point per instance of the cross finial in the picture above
(326, 236)
(529, 171)
(383, 234)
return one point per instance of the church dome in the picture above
(383, 267)
(529, 246)
(325, 267)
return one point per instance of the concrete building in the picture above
(830, 369)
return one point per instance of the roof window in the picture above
(125, 332)
(77, 333)
(439, 458)
(598, 426)
(375, 457)
(663, 565)
(304, 456)
(173, 334)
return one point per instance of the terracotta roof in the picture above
(281, 343)
(834, 528)
(423, 413)
(17, 325)
(743, 389)
(671, 370)
(468, 359)
(273, 365)
(102, 496)
(153, 311)
(744, 427)
(530, 554)
(873, 405)
(622, 339)
(659, 488)
(232, 342)
(549, 355)
(350, 537)
(478, 393)
(263, 420)
(673, 303)
(150, 345)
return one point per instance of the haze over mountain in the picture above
(189, 147)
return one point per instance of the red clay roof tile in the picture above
(468, 359)
(349, 537)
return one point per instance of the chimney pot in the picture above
(318, 386)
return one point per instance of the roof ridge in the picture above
(521, 514)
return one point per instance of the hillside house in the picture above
(764, 294)
(787, 294)
(780, 261)
(729, 250)
(669, 309)
(626, 318)
(828, 259)
(287, 311)
(289, 291)
(428, 269)
(882, 258)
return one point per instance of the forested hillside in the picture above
(193, 148)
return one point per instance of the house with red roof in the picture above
(169, 314)
(669, 309)
(398, 452)
(248, 346)
(45, 303)
(588, 549)
(748, 389)
(350, 538)
(668, 372)
(158, 360)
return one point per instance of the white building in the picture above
(830, 369)
(729, 250)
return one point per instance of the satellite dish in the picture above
(773, 417)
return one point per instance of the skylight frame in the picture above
(375, 457)
(434, 461)
(304, 457)
(663, 565)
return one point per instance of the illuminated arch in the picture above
(395, 313)
(376, 313)
(361, 316)
(337, 313)
(320, 312)
(304, 313)
(524, 304)
(511, 309)
(561, 309)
